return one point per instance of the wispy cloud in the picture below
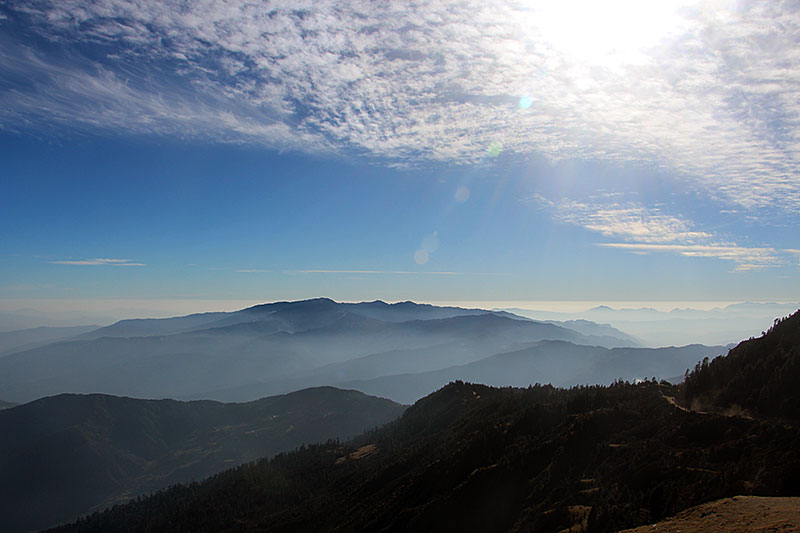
(648, 229)
(397, 272)
(746, 258)
(329, 271)
(715, 100)
(628, 221)
(99, 262)
(251, 270)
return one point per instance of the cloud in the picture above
(713, 97)
(648, 229)
(628, 221)
(328, 271)
(397, 272)
(251, 270)
(746, 258)
(99, 262)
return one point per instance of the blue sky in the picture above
(452, 151)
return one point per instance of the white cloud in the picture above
(99, 262)
(397, 272)
(647, 230)
(746, 258)
(715, 98)
(628, 221)
(329, 271)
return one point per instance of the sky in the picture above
(217, 151)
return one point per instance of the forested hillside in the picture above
(760, 376)
(475, 458)
(66, 455)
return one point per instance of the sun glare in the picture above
(608, 34)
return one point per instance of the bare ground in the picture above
(737, 514)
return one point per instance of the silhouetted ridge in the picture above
(760, 376)
(68, 454)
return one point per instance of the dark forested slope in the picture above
(474, 458)
(62, 456)
(759, 376)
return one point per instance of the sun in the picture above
(611, 33)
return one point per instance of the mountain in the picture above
(719, 325)
(65, 455)
(614, 337)
(556, 362)
(20, 319)
(475, 458)
(262, 348)
(286, 316)
(148, 327)
(407, 311)
(587, 327)
(6, 405)
(760, 376)
(33, 337)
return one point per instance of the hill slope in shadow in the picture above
(65, 455)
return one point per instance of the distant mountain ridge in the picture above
(558, 363)
(65, 455)
(587, 327)
(25, 339)
(678, 326)
(282, 342)
(294, 316)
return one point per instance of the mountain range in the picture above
(475, 458)
(558, 363)
(719, 325)
(276, 348)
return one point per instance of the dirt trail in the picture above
(673, 401)
(737, 514)
(734, 412)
